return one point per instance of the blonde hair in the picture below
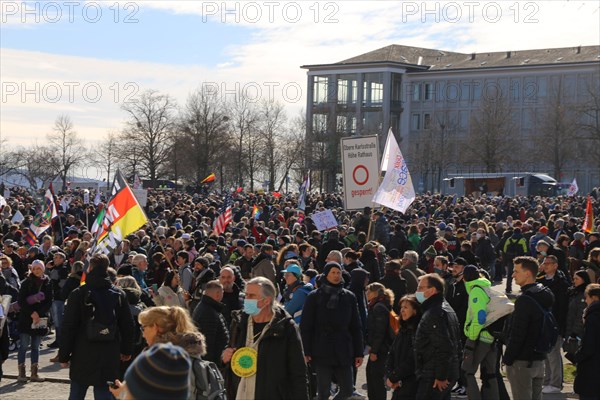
(382, 291)
(170, 320)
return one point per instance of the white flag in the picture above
(137, 183)
(64, 203)
(386, 150)
(17, 218)
(573, 189)
(97, 199)
(396, 191)
(2, 201)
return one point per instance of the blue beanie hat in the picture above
(161, 372)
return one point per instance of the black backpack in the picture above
(514, 248)
(208, 381)
(549, 331)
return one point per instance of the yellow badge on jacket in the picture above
(243, 362)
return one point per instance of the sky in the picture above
(84, 58)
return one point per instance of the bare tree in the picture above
(293, 149)
(106, 156)
(204, 122)
(10, 160)
(491, 133)
(148, 131)
(67, 146)
(588, 115)
(557, 129)
(244, 120)
(272, 126)
(40, 165)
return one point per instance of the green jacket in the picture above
(476, 311)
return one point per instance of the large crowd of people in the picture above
(281, 310)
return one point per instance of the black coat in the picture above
(458, 298)
(397, 284)
(281, 370)
(209, 320)
(72, 283)
(400, 363)
(437, 342)
(31, 286)
(371, 265)
(94, 363)
(331, 336)
(379, 338)
(577, 306)
(400, 242)
(232, 301)
(588, 356)
(527, 324)
(559, 287)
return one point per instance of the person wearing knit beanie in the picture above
(329, 266)
(161, 372)
(38, 263)
(430, 251)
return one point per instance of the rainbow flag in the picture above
(255, 212)
(588, 222)
(209, 178)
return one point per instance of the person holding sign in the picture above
(264, 359)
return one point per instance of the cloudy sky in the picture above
(84, 58)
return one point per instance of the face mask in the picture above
(251, 307)
(420, 296)
(438, 271)
(479, 236)
(543, 253)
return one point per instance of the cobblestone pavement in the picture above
(57, 385)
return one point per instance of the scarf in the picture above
(333, 291)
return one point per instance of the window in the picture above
(319, 123)
(347, 89)
(346, 123)
(426, 121)
(416, 91)
(428, 92)
(416, 122)
(373, 89)
(372, 121)
(320, 89)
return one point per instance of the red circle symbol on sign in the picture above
(357, 168)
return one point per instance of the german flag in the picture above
(209, 178)
(123, 216)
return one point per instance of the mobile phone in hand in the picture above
(112, 385)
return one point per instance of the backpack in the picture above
(514, 249)
(100, 330)
(498, 311)
(208, 381)
(394, 323)
(549, 331)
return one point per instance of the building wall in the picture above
(421, 106)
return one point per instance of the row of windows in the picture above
(345, 90)
(526, 89)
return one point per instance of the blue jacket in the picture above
(294, 298)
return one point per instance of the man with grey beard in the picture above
(232, 296)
